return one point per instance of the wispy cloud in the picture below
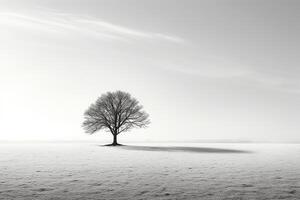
(211, 67)
(52, 21)
(219, 68)
(280, 81)
(121, 30)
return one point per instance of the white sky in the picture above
(202, 69)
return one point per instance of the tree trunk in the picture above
(115, 143)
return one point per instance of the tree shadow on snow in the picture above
(182, 149)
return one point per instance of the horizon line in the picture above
(152, 141)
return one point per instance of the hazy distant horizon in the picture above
(124, 142)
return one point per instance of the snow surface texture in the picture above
(187, 171)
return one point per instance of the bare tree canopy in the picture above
(115, 112)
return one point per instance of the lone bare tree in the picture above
(115, 112)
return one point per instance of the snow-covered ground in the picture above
(166, 171)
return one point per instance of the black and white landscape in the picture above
(149, 99)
